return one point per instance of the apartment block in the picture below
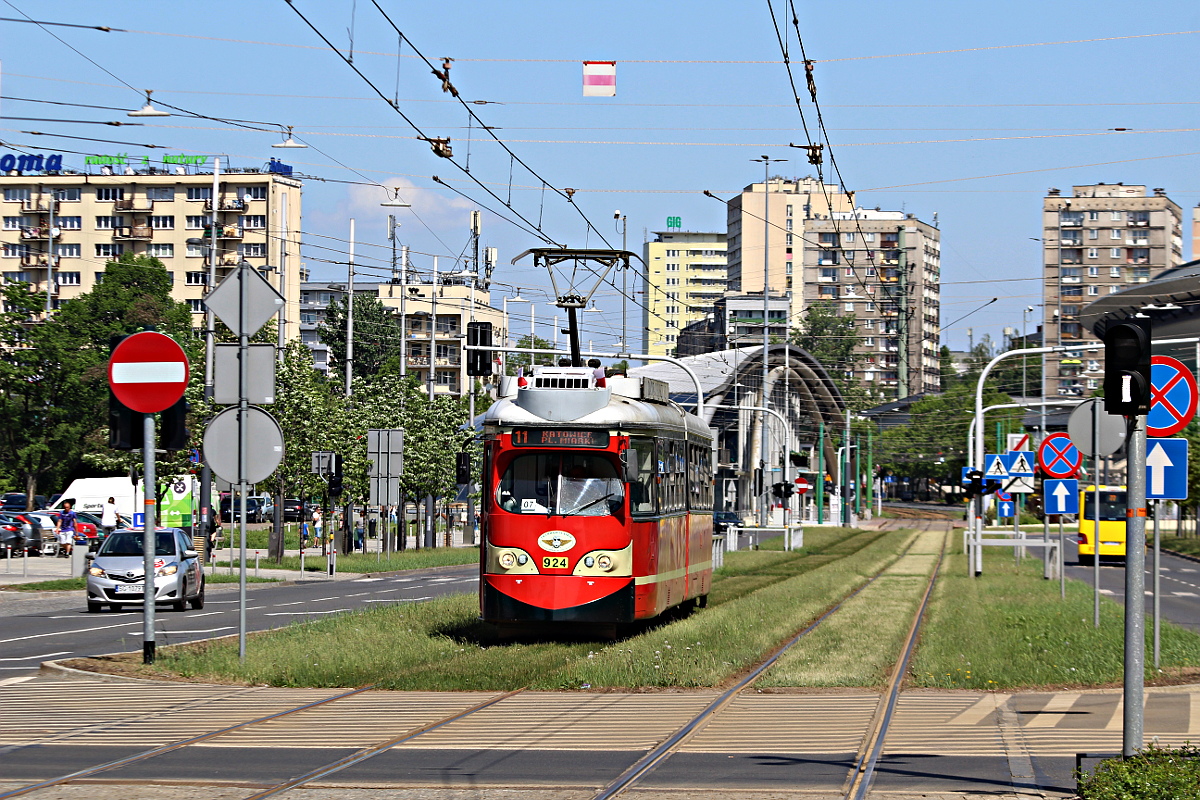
(814, 245)
(883, 268)
(61, 226)
(735, 321)
(685, 275)
(434, 318)
(1096, 241)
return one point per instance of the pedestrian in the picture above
(108, 517)
(64, 529)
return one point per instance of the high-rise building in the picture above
(1100, 239)
(685, 274)
(884, 269)
(881, 267)
(61, 226)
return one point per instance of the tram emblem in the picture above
(556, 541)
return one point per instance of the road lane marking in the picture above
(400, 600)
(306, 613)
(18, 679)
(297, 603)
(367, 580)
(44, 655)
(1185, 594)
(64, 633)
(359, 594)
(206, 630)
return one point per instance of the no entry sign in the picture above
(801, 485)
(148, 372)
(1172, 397)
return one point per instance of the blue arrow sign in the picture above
(1006, 509)
(1061, 496)
(995, 466)
(1019, 464)
(1166, 469)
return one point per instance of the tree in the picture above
(515, 361)
(377, 335)
(831, 338)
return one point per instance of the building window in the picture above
(160, 193)
(1093, 272)
(252, 192)
(850, 307)
(199, 193)
(1092, 253)
(109, 193)
(788, 238)
(67, 278)
(1115, 233)
(14, 250)
(869, 341)
(787, 224)
(109, 249)
(1070, 218)
(1115, 252)
(108, 223)
(254, 250)
(163, 223)
(1093, 215)
(1138, 255)
(870, 306)
(67, 251)
(1093, 291)
(1114, 289)
(829, 239)
(848, 237)
(253, 221)
(197, 221)
(196, 279)
(13, 223)
(789, 209)
(1072, 291)
(15, 277)
(69, 223)
(196, 250)
(308, 318)
(1117, 215)
(197, 306)
(828, 274)
(672, 254)
(1072, 274)
(1093, 233)
(672, 267)
(160, 250)
(1114, 272)
(15, 195)
(827, 257)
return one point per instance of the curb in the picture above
(56, 669)
(1177, 554)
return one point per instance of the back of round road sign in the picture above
(1112, 429)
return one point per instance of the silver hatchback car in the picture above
(116, 577)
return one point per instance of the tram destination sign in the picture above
(559, 437)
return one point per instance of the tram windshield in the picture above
(561, 483)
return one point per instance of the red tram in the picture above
(597, 500)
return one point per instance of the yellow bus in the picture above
(1112, 524)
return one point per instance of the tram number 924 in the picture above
(555, 562)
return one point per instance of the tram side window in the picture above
(643, 497)
(674, 477)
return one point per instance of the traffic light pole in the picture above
(1135, 579)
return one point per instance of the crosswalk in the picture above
(84, 712)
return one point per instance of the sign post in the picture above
(148, 372)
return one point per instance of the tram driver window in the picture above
(567, 484)
(642, 490)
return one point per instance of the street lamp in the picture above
(148, 110)
(396, 202)
(762, 460)
(1025, 312)
(507, 327)
(289, 141)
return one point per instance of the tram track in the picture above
(856, 786)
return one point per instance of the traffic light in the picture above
(335, 477)
(1127, 368)
(777, 489)
(789, 489)
(479, 362)
(172, 427)
(125, 431)
(462, 468)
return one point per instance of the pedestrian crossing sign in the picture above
(994, 466)
(1020, 464)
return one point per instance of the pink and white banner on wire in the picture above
(599, 79)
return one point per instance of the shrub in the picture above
(1155, 773)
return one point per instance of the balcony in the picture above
(142, 233)
(36, 206)
(1139, 223)
(33, 260)
(224, 232)
(451, 361)
(418, 361)
(143, 205)
(35, 233)
(1071, 242)
(226, 204)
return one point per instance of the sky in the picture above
(969, 110)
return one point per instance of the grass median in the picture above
(363, 562)
(433, 645)
(1009, 629)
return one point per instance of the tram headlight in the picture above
(522, 559)
(507, 560)
(605, 562)
(589, 562)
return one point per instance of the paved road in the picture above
(35, 628)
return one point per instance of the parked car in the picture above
(29, 528)
(724, 520)
(116, 576)
(231, 510)
(293, 509)
(18, 501)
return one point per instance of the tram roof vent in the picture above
(650, 390)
